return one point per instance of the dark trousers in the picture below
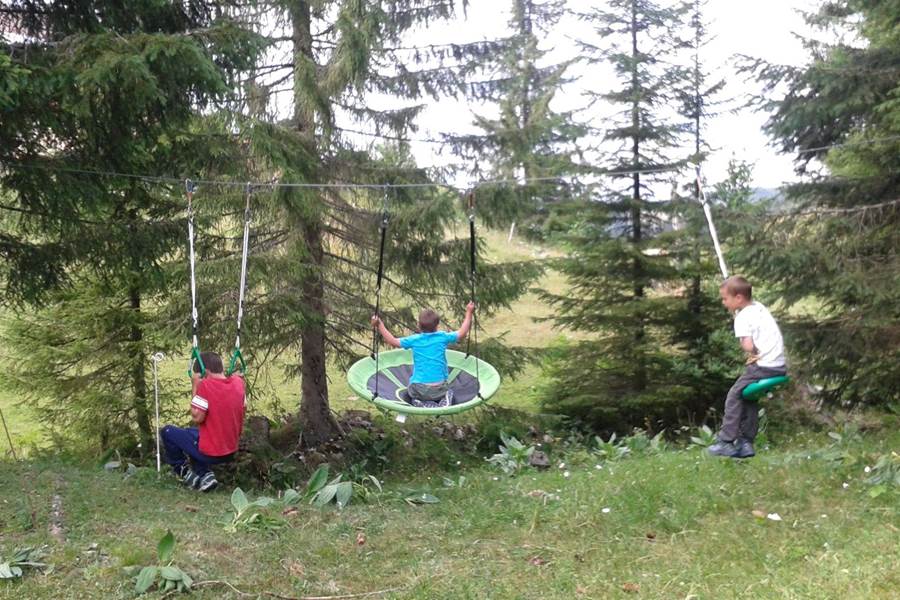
(182, 445)
(741, 418)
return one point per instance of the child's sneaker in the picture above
(189, 478)
(208, 482)
(447, 400)
(726, 449)
(744, 449)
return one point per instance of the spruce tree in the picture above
(623, 374)
(320, 266)
(833, 257)
(528, 141)
(700, 325)
(91, 89)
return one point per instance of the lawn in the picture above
(672, 524)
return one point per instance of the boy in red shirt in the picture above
(217, 409)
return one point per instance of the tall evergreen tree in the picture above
(92, 88)
(344, 54)
(624, 375)
(528, 141)
(835, 257)
(699, 322)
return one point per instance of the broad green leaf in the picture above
(291, 496)
(239, 500)
(166, 548)
(17, 571)
(325, 495)
(5, 571)
(317, 481)
(344, 492)
(423, 499)
(186, 579)
(261, 502)
(877, 491)
(173, 573)
(145, 579)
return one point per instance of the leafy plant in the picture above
(705, 437)
(22, 558)
(612, 449)
(253, 515)
(884, 474)
(639, 441)
(164, 575)
(513, 455)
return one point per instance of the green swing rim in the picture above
(758, 389)
(358, 376)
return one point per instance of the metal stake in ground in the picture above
(156, 358)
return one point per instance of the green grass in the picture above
(676, 525)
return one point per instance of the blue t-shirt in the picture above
(429, 355)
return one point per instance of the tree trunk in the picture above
(139, 377)
(317, 424)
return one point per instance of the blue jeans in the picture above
(182, 444)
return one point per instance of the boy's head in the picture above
(736, 293)
(428, 320)
(212, 362)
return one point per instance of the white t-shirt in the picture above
(756, 322)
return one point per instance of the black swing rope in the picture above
(385, 217)
(472, 248)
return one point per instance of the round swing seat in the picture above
(758, 389)
(472, 381)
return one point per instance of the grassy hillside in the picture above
(791, 523)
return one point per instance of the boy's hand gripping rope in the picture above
(195, 346)
(237, 358)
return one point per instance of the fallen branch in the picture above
(280, 597)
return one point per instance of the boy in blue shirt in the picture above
(428, 382)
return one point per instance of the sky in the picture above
(760, 28)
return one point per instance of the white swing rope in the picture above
(701, 196)
(189, 189)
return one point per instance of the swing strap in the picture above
(472, 273)
(375, 334)
(195, 346)
(701, 196)
(237, 358)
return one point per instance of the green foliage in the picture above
(704, 437)
(884, 474)
(527, 139)
(513, 455)
(21, 559)
(254, 516)
(107, 90)
(166, 577)
(833, 257)
(612, 449)
(640, 443)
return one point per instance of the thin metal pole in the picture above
(156, 358)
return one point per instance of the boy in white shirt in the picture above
(761, 340)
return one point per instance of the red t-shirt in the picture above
(223, 401)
